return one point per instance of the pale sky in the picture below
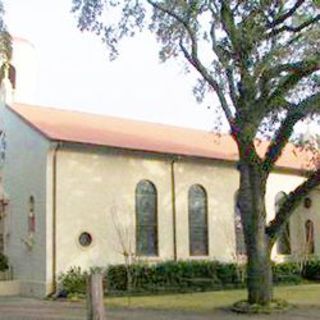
(74, 71)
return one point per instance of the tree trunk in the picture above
(253, 214)
(259, 282)
(95, 305)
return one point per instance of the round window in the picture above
(85, 239)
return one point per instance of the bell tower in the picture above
(17, 84)
(18, 79)
(23, 72)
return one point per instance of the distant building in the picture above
(83, 190)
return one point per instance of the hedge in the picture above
(311, 270)
(287, 273)
(4, 264)
(173, 276)
(182, 276)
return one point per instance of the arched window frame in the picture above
(284, 241)
(198, 248)
(146, 229)
(309, 237)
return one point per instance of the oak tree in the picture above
(262, 59)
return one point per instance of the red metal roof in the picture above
(72, 126)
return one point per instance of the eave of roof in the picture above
(78, 127)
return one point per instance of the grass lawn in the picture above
(300, 295)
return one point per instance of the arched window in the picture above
(283, 243)
(198, 220)
(146, 219)
(31, 216)
(309, 228)
(240, 244)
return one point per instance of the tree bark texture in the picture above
(253, 214)
(95, 305)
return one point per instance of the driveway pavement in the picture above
(17, 308)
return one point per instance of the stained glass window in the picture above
(146, 219)
(198, 221)
(309, 237)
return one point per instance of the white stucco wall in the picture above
(284, 181)
(297, 227)
(24, 176)
(96, 193)
(220, 180)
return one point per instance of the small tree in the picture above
(125, 241)
(262, 60)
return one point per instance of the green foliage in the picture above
(5, 37)
(181, 276)
(311, 270)
(291, 272)
(73, 281)
(4, 263)
(288, 272)
(5, 45)
(174, 276)
(117, 278)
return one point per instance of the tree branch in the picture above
(228, 24)
(310, 65)
(291, 29)
(293, 200)
(297, 113)
(286, 15)
(223, 58)
(194, 60)
(286, 83)
(231, 84)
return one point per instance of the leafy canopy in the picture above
(260, 57)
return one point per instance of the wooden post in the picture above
(95, 305)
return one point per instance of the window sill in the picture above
(199, 257)
(149, 259)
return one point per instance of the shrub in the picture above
(311, 270)
(4, 264)
(117, 278)
(73, 281)
(181, 276)
(173, 276)
(287, 272)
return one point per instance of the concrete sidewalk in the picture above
(17, 308)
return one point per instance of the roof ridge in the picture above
(107, 116)
(115, 132)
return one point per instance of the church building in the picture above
(87, 190)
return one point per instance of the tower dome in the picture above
(24, 70)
